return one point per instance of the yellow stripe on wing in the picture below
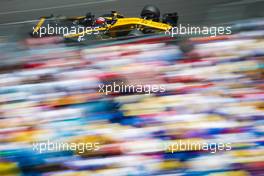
(40, 23)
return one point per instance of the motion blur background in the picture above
(214, 92)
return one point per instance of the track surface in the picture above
(16, 15)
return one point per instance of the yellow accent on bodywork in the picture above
(139, 21)
(77, 18)
(126, 22)
(40, 23)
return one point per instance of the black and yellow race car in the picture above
(108, 25)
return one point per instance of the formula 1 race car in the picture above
(108, 25)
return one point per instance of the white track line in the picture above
(18, 22)
(56, 7)
(242, 2)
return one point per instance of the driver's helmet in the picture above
(100, 20)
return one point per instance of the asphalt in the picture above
(16, 15)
